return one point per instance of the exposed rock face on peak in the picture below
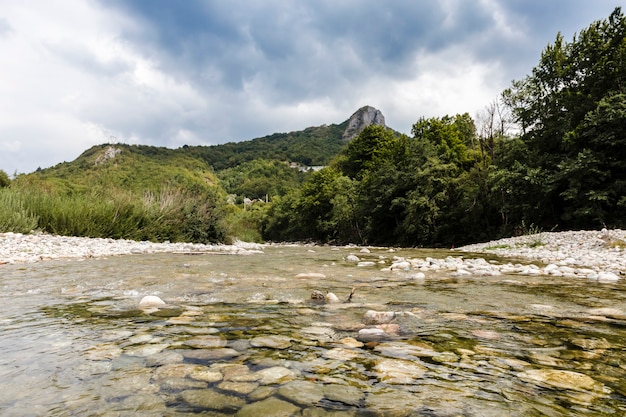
(110, 153)
(362, 118)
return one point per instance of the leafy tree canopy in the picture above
(571, 113)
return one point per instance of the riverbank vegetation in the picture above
(549, 154)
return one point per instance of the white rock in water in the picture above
(378, 317)
(352, 258)
(151, 301)
(404, 265)
(311, 275)
(607, 277)
(331, 298)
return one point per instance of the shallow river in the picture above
(241, 336)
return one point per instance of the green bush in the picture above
(5, 181)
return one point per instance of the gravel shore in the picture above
(20, 248)
(597, 250)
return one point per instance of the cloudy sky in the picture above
(163, 72)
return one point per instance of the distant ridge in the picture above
(312, 146)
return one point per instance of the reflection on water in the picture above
(240, 335)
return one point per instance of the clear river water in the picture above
(240, 335)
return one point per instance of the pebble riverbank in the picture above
(21, 248)
(595, 255)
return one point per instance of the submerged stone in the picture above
(179, 384)
(272, 341)
(206, 355)
(238, 387)
(345, 394)
(395, 371)
(164, 358)
(275, 375)
(268, 407)
(146, 350)
(555, 378)
(212, 400)
(378, 317)
(206, 341)
(394, 403)
(104, 351)
(341, 354)
(304, 393)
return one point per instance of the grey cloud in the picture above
(5, 28)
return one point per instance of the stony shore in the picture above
(599, 255)
(595, 255)
(20, 248)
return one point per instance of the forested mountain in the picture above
(311, 146)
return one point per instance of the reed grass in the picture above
(14, 217)
(170, 214)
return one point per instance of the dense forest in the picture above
(548, 154)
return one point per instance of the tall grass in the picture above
(170, 214)
(14, 217)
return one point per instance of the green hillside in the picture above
(311, 146)
(155, 193)
(135, 168)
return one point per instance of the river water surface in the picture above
(240, 335)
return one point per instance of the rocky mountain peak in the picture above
(362, 118)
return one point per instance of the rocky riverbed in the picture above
(489, 330)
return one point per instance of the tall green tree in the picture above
(372, 146)
(569, 110)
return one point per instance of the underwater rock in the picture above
(206, 342)
(271, 341)
(378, 317)
(268, 407)
(212, 400)
(304, 393)
(275, 375)
(556, 378)
(396, 371)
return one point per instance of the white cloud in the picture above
(70, 81)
